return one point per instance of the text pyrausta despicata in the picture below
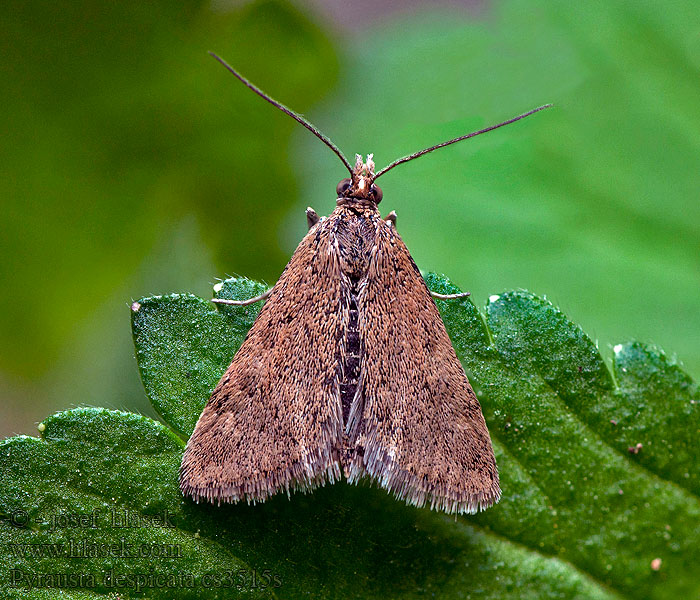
(347, 371)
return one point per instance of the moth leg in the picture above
(449, 296)
(311, 217)
(390, 219)
(243, 302)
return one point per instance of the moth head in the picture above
(361, 185)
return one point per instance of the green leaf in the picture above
(580, 517)
(183, 344)
(557, 414)
(101, 482)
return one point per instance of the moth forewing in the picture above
(272, 423)
(422, 434)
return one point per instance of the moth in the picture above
(347, 371)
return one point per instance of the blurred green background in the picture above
(133, 164)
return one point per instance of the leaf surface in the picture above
(580, 517)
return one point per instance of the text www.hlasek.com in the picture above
(87, 549)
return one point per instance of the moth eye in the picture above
(377, 193)
(343, 187)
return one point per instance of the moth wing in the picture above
(417, 425)
(274, 420)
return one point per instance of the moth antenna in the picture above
(459, 139)
(297, 117)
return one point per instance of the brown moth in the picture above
(347, 371)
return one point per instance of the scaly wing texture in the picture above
(416, 424)
(274, 421)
